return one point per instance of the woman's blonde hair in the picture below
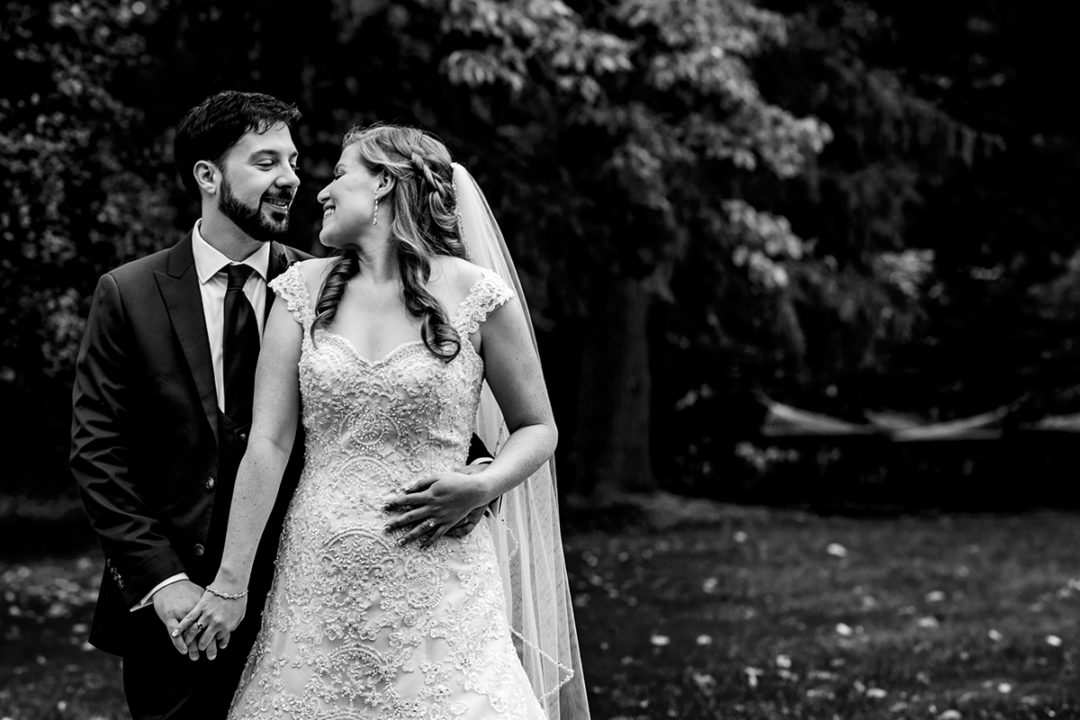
(424, 225)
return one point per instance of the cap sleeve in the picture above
(291, 287)
(486, 294)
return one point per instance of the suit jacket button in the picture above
(199, 550)
(243, 437)
(209, 483)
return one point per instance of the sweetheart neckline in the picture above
(388, 356)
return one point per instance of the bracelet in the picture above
(227, 596)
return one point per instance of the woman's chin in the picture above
(329, 239)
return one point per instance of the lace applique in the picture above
(291, 287)
(486, 294)
(357, 626)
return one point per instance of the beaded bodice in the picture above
(406, 413)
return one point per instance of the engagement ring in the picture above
(430, 524)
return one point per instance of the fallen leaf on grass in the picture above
(705, 682)
(1053, 641)
(822, 675)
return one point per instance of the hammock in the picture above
(791, 422)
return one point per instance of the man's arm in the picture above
(478, 452)
(137, 553)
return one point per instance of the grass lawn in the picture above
(752, 614)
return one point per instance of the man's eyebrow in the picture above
(273, 153)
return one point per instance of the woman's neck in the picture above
(378, 260)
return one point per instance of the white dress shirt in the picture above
(209, 267)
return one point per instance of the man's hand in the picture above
(468, 523)
(172, 603)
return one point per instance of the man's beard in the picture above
(251, 219)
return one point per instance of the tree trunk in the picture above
(611, 444)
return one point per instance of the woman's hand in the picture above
(211, 622)
(434, 505)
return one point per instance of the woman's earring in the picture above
(375, 215)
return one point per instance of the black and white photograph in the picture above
(539, 360)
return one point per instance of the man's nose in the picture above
(289, 178)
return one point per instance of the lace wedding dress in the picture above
(357, 626)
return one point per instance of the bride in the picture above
(390, 354)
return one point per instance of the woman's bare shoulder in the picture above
(454, 276)
(314, 272)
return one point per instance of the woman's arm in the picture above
(273, 431)
(512, 369)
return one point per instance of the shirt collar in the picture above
(209, 261)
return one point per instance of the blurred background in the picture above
(805, 275)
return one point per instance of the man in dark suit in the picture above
(162, 405)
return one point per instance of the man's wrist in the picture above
(148, 599)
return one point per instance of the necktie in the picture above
(241, 347)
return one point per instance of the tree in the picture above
(74, 202)
(629, 124)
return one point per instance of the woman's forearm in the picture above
(257, 483)
(527, 448)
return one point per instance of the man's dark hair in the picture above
(213, 126)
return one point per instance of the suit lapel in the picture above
(279, 261)
(179, 286)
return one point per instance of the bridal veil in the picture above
(526, 527)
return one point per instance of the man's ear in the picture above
(207, 176)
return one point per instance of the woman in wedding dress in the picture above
(384, 353)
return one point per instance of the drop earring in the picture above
(375, 215)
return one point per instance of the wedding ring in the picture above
(430, 523)
(199, 626)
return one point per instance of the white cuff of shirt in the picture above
(149, 597)
(482, 461)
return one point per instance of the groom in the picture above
(162, 406)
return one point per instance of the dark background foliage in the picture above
(844, 205)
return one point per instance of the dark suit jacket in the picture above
(153, 460)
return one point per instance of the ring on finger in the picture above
(430, 524)
(199, 626)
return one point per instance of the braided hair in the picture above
(424, 225)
